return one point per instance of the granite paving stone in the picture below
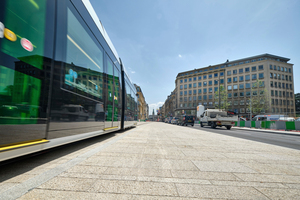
(161, 161)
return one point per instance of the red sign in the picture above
(26, 44)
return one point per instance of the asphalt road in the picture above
(279, 139)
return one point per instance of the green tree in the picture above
(259, 101)
(222, 102)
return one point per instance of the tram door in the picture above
(116, 99)
(109, 93)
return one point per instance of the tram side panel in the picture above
(77, 103)
(26, 46)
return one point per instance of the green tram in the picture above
(61, 79)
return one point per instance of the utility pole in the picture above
(250, 102)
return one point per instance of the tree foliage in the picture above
(222, 102)
(259, 101)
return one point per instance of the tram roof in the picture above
(101, 28)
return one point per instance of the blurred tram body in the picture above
(61, 79)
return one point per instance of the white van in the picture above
(268, 117)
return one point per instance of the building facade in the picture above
(170, 105)
(142, 105)
(238, 77)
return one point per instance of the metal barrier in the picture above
(278, 125)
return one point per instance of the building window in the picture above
(204, 77)
(241, 70)
(194, 98)
(216, 82)
(190, 98)
(221, 73)
(204, 90)
(195, 91)
(210, 97)
(209, 89)
(228, 80)
(247, 77)
(253, 68)
(254, 76)
(221, 81)
(190, 85)
(234, 71)
(247, 69)
(271, 84)
(228, 73)
(235, 87)
(194, 85)
(242, 102)
(260, 67)
(248, 94)
(181, 86)
(204, 97)
(195, 78)
(234, 79)
(216, 75)
(199, 84)
(248, 85)
(235, 94)
(190, 79)
(185, 86)
(209, 82)
(254, 93)
(229, 95)
(271, 75)
(229, 87)
(271, 67)
(199, 78)
(216, 89)
(181, 81)
(241, 86)
(185, 92)
(261, 75)
(235, 103)
(199, 97)
(185, 80)
(204, 83)
(199, 91)
(282, 69)
(241, 78)
(190, 91)
(275, 67)
(210, 76)
(241, 94)
(242, 110)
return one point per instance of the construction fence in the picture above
(277, 125)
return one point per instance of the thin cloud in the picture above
(180, 56)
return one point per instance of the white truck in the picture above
(215, 117)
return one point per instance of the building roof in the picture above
(236, 62)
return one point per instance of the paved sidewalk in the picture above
(263, 130)
(162, 161)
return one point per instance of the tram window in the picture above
(84, 59)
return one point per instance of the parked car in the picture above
(174, 120)
(290, 119)
(186, 120)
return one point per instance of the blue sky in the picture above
(157, 39)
